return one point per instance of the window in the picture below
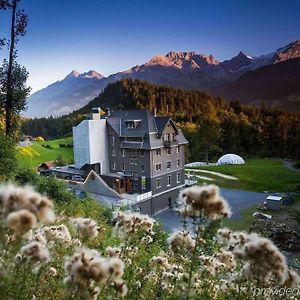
(168, 180)
(113, 165)
(168, 165)
(178, 177)
(123, 167)
(177, 149)
(113, 152)
(135, 160)
(167, 137)
(143, 168)
(113, 140)
(158, 152)
(158, 167)
(134, 175)
(158, 183)
(168, 151)
(123, 152)
(129, 124)
(131, 160)
(174, 136)
(178, 162)
(142, 153)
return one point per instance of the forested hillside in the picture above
(212, 126)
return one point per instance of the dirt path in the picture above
(289, 165)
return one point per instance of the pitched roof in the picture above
(149, 128)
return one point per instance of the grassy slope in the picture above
(257, 175)
(36, 154)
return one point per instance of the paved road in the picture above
(238, 201)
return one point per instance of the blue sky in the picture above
(110, 36)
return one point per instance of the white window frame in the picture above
(169, 151)
(169, 167)
(158, 167)
(113, 165)
(178, 177)
(113, 152)
(158, 183)
(123, 153)
(131, 160)
(169, 180)
(123, 167)
(178, 163)
(177, 150)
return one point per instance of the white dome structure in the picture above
(230, 159)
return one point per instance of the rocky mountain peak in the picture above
(73, 74)
(290, 51)
(92, 74)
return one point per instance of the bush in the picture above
(39, 139)
(7, 158)
(48, 146)
(297, 164)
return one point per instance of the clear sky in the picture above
(111, 36)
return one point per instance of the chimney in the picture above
(154, 111)
(95, 114)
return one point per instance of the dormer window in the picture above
(130, 124)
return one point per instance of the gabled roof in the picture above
(149, 128)
(117, 120)
(161, 123)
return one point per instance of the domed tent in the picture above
(230, 159)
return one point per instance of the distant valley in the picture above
(272, 79)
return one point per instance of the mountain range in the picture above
(272, 78)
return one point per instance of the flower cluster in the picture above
(159, 261)
(85, 227)
(35, 252)
(262, 258)
(220, 262)
(51, 235)
(23, 208)
(203, 200)
(87, 268)
(113, 251)
(129, 223)
(181, 241)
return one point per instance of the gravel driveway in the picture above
(238, 201)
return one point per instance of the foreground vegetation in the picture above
(256, 175)
(32, 156)
(88, 252)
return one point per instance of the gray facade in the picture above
(145, 155)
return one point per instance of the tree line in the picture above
(212, 125)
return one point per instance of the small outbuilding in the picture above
(45, 166)
(230, 159)
(274, 202)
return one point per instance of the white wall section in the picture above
(91, 144)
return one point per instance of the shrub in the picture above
(39, 139)
(297, 164)
(7, 158)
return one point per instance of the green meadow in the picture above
(255, 175)
(36, 154)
